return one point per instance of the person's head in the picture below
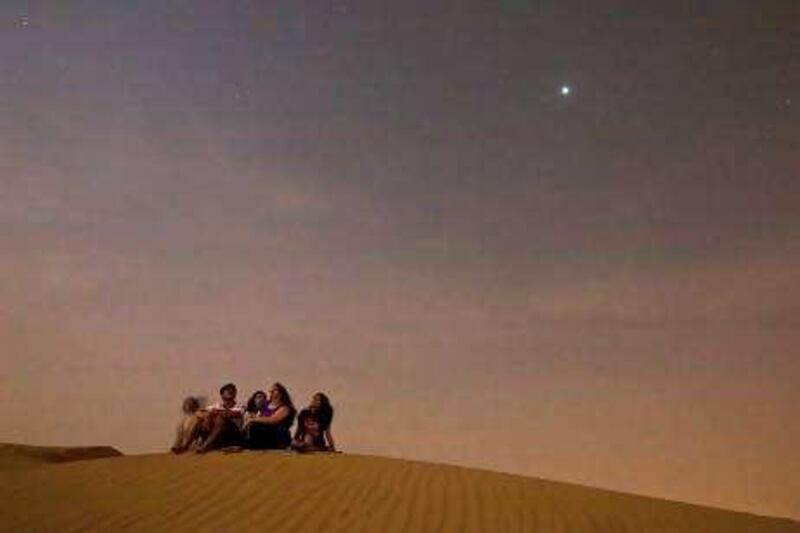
(256, 401)
(280, 396)
(321, 406)
(320, 400)
(190, 405)
(228, 392)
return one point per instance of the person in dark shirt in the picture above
(269, 429)
(313, 433)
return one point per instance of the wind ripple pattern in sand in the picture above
(277, 491)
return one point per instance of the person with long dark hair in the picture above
(269, 428)
(313, 433)
(256, 406)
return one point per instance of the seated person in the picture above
(190, 407)
(269, 428)
(217, 426)
(313, 433)
(256, 406)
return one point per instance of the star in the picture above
(565, 90)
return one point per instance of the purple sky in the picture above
(397, 205)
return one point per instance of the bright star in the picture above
(565, 90)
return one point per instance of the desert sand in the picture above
(60, 489)
(19, 455)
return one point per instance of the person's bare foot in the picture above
(200, 447)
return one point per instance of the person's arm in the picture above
(211, 409)
(298, 432)
(281, 413)
(329, 438)
(178, 435)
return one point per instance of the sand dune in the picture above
(277, 491)
(20, 455)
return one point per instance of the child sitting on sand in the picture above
(313, 433)
(257, 406)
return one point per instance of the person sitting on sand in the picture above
(223, 425)
(313, 433)
(217, 426)
(190, 407)
(256, 406)
(270, 428)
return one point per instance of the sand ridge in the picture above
(21, 455)
(281, 491)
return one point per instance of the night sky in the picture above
(555, 238)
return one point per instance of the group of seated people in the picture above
(263, 423)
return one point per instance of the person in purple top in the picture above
(257, 406)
